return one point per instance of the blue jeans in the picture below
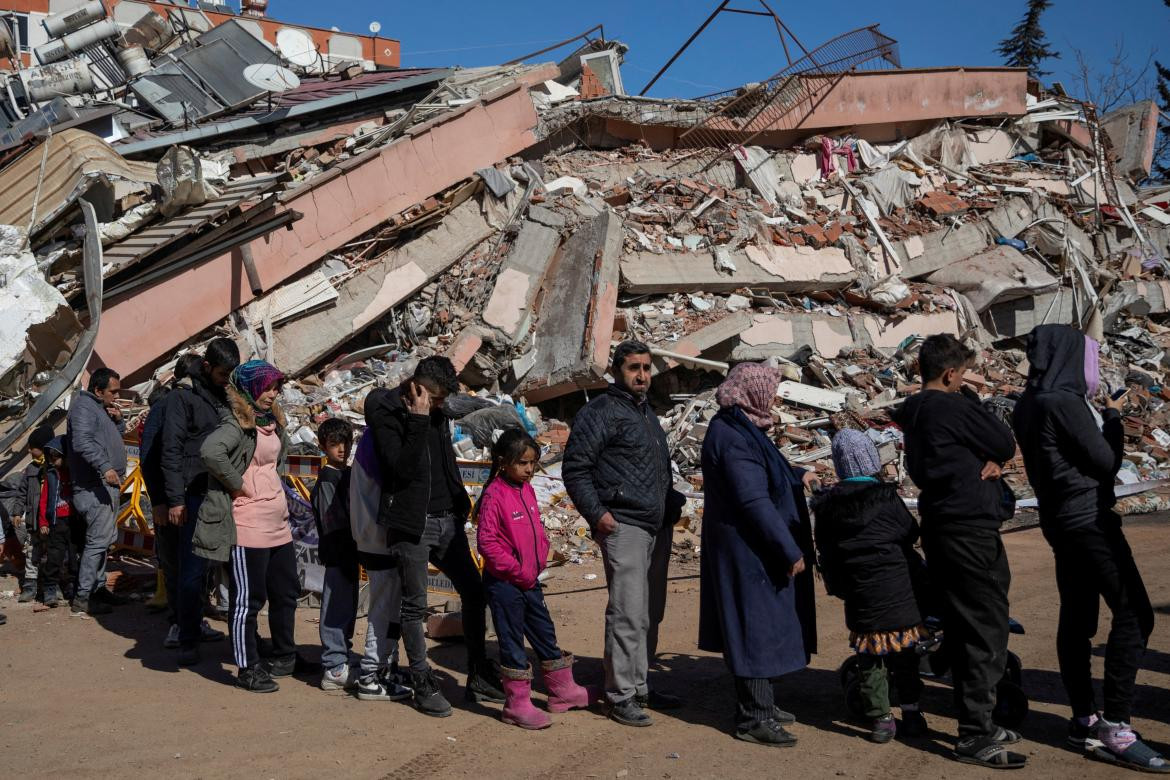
(339, 598)
(518, 614)
(185, 590)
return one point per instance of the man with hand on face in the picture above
(193, 411)
(617, 472)
(423, 509)
(97, 464)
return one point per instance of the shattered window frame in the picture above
(18, 26)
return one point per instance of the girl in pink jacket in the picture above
(514, 547)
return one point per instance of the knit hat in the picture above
(40, 437)
(854, 455)
(56, 444)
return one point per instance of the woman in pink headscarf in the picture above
(756, 591)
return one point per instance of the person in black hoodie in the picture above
(955, 449)
(865, 539)
(193, 410)
(424, 507)
(1072, 455)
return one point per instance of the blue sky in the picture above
(736, 48)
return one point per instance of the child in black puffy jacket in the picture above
(865, 544)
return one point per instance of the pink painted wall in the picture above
(355, 197)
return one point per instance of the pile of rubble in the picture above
(523, 218)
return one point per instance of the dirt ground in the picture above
(101, 697)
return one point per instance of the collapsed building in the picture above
(342, 217)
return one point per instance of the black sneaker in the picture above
(483, 684)
(655, 700)
(107, 596)
(27, 593)
(629, 713)
(189, 656)
(257, 680)
(84, 607)
(782, 717)
(427, 697)
(3, 618)
(913, 725)
(290, 665)
(372, 687)
(767, 732)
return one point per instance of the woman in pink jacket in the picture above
(514, 547)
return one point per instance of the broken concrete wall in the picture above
(366, 298)
(509, 309)
(576, 312)
(338, 206)
(1133, 132)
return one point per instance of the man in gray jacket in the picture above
(617, 472)
(97, 465)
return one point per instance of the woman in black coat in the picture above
(756, 594)
(865, 539)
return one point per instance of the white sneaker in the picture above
(338, 679)
(172, 640)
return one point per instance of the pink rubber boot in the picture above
(518, 707)
(564, 693)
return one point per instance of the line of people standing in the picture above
(758, 540)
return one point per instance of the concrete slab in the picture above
(509, 308)
(575, 312)
(1017, 318)
(340, 205)
(367, 297)
(998, 274)
(939, 249)
(780, 268)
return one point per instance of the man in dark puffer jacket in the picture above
(617, 471)
(1072, 455)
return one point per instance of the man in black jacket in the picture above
(192, 412)
(1072, 455)
(424, 507)
(617, 472)
(954, 452)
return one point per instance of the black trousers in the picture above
(1092, 563)
(444, 544)
(54, 570)
(969, 573)
(261, 574)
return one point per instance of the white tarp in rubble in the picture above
(26, 299)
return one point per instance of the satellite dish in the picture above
(271, 78)
(375, 27)
(297, 47)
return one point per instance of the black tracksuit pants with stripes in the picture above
(260, 574)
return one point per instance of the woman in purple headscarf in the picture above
(756, 589)
(246, 512)
(1072, 453)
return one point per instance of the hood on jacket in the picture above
(1056, 359)
(245, 415)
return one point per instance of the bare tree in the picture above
(1121, 83)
